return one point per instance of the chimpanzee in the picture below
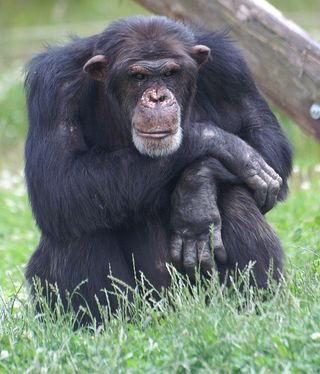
(141, 136)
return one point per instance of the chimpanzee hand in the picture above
(260, 177)
(193, 209)
(245, 162)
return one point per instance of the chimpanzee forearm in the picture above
(243, 161)
(74, 189)
(193, 209)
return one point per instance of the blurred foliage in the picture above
(26, 13)
(194, 336)
(26, 24)
(295, 6)
(305, 13)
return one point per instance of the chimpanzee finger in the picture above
(272, 173)
(272, 195)
(218, 247)
(279, 179)
(176, 250)
(260, 188)
(190, 258)
(204, 255)
(273, 189)
(220, 254)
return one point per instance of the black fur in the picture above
(97, 200)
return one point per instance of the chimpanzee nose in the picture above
(157, 96)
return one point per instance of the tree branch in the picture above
(284, 59)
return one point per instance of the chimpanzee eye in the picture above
(169, 73)
(139, 76)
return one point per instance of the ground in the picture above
(206, 332)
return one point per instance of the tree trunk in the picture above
(284, 59)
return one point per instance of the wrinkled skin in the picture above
(194, 208)
(194, 201)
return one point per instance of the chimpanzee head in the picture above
(149, 67)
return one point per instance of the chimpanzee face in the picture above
(156, 115)
(154, 94)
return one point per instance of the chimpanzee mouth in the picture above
(157, 143)
(156, 134)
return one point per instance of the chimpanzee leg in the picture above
(147, 245)
(247, 236)
(82, 265)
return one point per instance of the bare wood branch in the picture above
(283, 58)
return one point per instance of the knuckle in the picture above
(262, 190)
(215, 217)
(264, 187)
(254, 181)
(217, 243)
(204, 255)
(189, 262)
(175, 245)
(175, 255)
(206, 262)
(182, 232)
(276, 186)
(221, 255)
(203, 236)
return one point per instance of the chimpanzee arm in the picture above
(227, 95)
(243, 161)
(75, 189)
(193, 209)
(194, 200)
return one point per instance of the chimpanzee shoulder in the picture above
(61, 58)
(225, 73)
(223, 82)
(55, 78)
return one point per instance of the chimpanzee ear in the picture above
(200, 53)
(96, 67)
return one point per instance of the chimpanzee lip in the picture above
(158, 134)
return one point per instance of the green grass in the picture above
(186, 335)
(181, 333)
(23, 24)
(181, 336)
